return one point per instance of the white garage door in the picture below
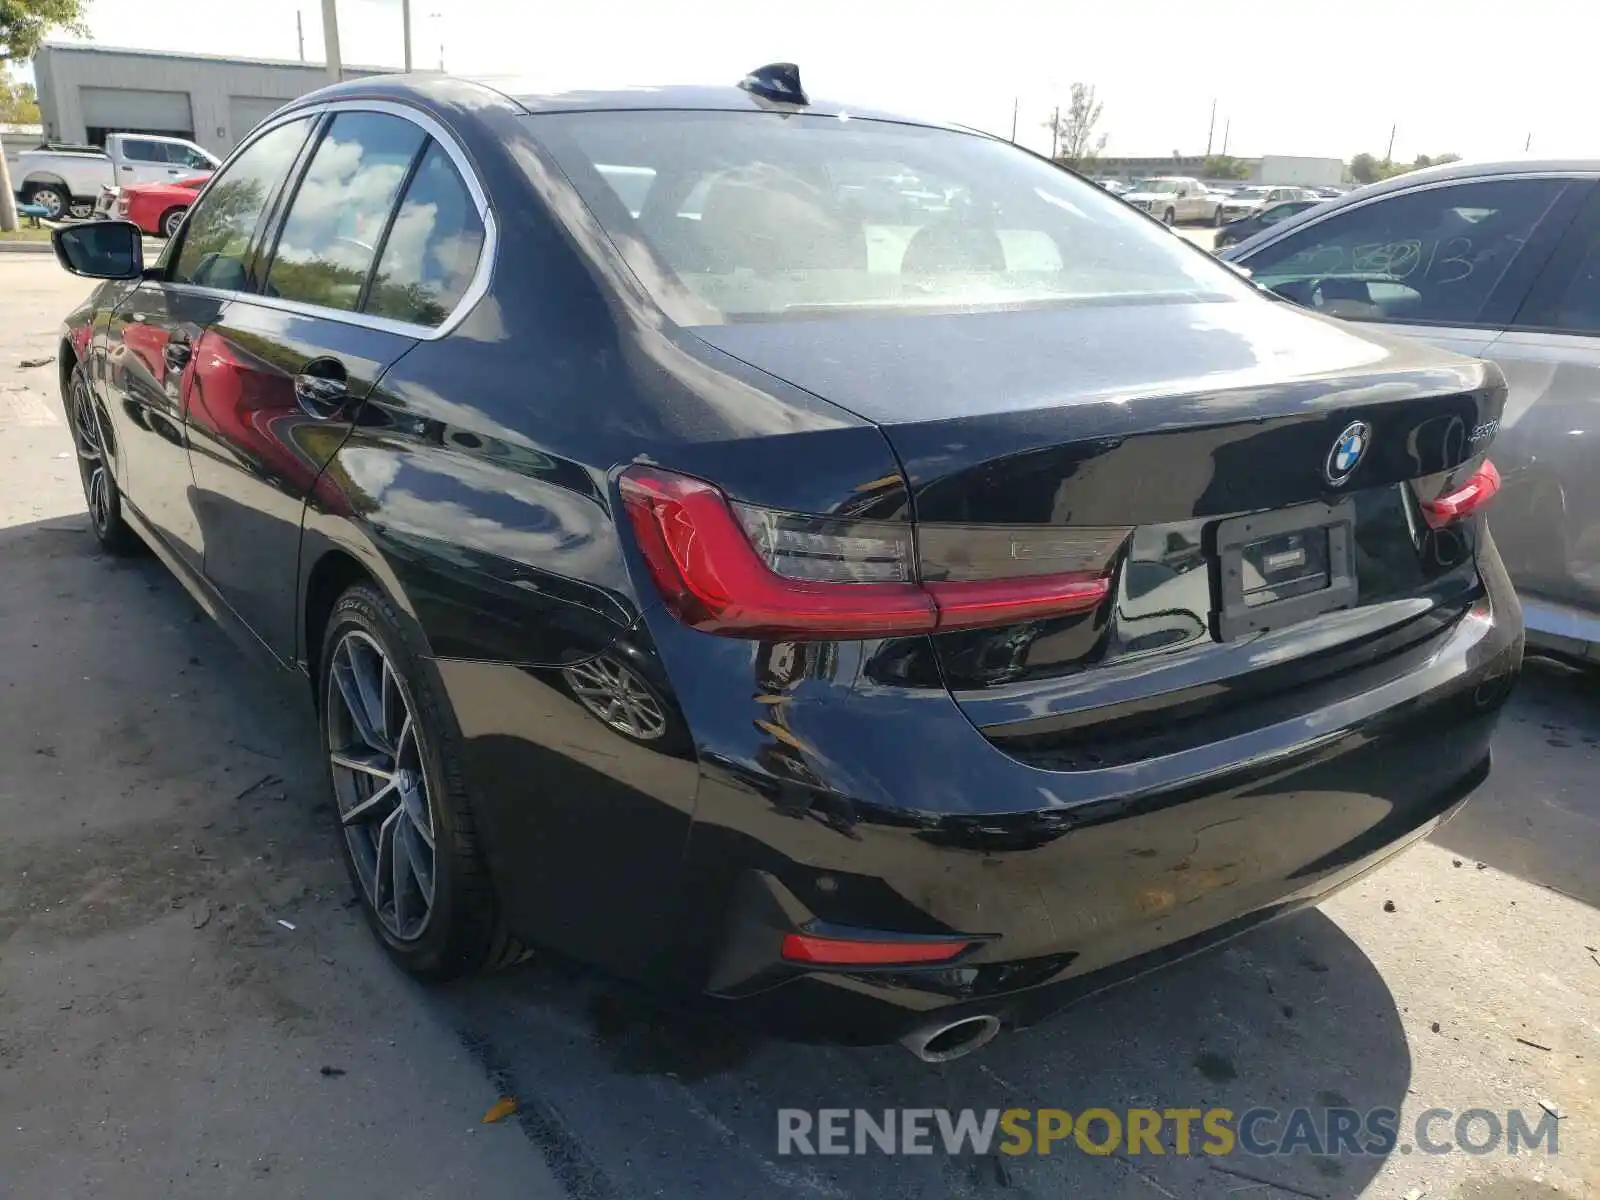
(116, 109)
(246, 112)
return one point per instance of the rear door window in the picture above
(341, 208)
(1448, 255)
(143, 150)
(431, 252)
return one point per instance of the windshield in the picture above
(750, 216)
(1252, 193)
(1159, 185)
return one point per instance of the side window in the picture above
(340, 209)
(432, 249)
(183, 156)
(142, 150)
(217, 236)
(1573, 306)
(1434, 255)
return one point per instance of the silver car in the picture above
(1500, 261)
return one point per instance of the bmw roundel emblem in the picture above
(1347, 452)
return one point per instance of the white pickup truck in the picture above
(62, 178)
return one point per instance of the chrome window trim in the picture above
(477, 287)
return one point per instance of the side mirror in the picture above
(100, 249)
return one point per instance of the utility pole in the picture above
(330, 39)
(300, 33)
(1528, 145)
(1388, 155)
(1055, 133)
(1227, 128)
(1211, 128)
(405, 20)
(1015, 100)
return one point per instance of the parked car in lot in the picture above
(1502, 261)
(60, 179)
(1115, 186)
(1177, 199)
(885, 632)
(156, 208)
(1249, 201)
(1236, 231)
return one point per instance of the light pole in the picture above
(405, 20)
(330, 39)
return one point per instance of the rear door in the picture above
(144, 160)
(1449, 263)
(1547, 521)
(342, 295)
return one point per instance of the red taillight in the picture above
(852, 952)
(758, 573)
(1464, 500)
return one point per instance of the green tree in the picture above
(19, 105)
(23, 25)
(1072, 133)
(1365, 168)
(1224, 166)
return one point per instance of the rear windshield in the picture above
(756, 216)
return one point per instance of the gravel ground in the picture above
(189, 1005)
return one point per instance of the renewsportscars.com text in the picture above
(1181, 1131)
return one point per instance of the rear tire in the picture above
(1169, 217)
(171, 220)
(56, 203)
(1218, 220)
(438, 919)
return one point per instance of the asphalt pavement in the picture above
(191, 1006)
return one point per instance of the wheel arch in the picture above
(333, 574)
(40, 179)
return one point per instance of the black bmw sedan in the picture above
(837, 564)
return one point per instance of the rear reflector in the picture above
(1464, 500)
(842, 952)
(742, 571)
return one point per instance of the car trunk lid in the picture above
(1205, 433)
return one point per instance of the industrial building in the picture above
(87, 91)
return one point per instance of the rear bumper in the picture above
(884, 811)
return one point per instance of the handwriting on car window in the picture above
(1440, 263)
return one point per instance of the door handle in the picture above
(128, 169)
(322, 389)
(177, 353)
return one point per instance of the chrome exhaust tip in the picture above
(947, 1041)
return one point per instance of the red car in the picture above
(156, 208)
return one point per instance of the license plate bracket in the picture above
(1279, 568)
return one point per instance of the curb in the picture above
(26, 248)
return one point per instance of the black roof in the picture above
(524, 93)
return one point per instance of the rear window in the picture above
(752, 216)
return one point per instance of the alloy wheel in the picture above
(615, 694)
(380, 785)
(171, 223)
(90, 446)
(52, 202)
